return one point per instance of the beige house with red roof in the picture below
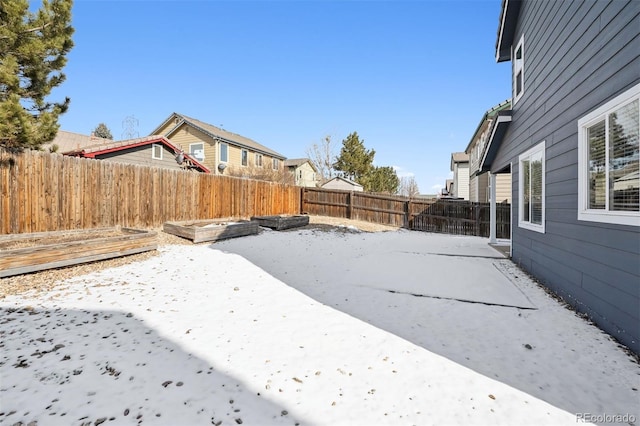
(218, 149)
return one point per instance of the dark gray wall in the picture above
(578, 55)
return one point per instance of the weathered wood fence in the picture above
(432, 215)
(49, 192)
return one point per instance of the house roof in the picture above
(496, 134)
(217, 133)
(67, 141)
(296, 162)
(114, 146)
(492, 112)
(459, 157)
(506, 29)
(349, 181)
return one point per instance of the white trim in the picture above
(538, 149)
(515, 70)
(220, 152)
(599, 114)
(191, 150)
(153, 151)
(246, 154)
(499, 119)
(258, 155)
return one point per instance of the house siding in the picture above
(461, 180)
(308, 178)
(578, 55)
(503, 188)
(143, 155)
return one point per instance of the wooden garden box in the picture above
(24, 253)
(211, 230)
(282, 221)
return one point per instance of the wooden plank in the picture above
(46, 256)
(200, 231)
(281, 222)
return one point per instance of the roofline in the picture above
(508, 17)
(484, 117)
(502, 120)
(83, 152)
(184, 120)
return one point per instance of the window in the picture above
(517, 59)
(276, 164)
(609, 161)
(156, 151)
(259, 160)
(196, 150)
(245, 157)
(224, 152)
(531, 197)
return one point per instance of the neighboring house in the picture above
(148, 151)
(460, 169)
(303, 171)
(448, 188)
(342, 183)
(571, 143)
(479, 190)
(219, 149)
(69, 141)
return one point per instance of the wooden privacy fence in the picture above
(432, 215)
(49, 192)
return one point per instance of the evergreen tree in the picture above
(33, 49)
(354, 161)
(381, 179)
(102, 131)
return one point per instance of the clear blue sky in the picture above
(413, 78)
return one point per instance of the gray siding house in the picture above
(570, 142)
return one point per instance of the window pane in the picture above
(244, 157)
(526, 191)
(519, 82)
(224, 152)
(536, 190)
(624, 158)
(597, 162)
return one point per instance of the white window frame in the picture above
(599, 114)
(275, 163)
(153, 151)
(258, 160)
(518, 66)
(534, 151)
(226, 159)
(244, 158)
(191, 145)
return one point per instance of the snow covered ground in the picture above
(310, 327)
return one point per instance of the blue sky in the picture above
(413, 78)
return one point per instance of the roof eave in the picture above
(498, 130)
(506, 30)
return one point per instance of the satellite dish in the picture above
(222, 166)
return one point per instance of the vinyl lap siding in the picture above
(578, 55)
(142, 155)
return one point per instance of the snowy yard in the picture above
(310, 327)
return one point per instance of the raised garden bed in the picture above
(210, 230)
(282, 221)
(24, 253)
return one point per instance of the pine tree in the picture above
(33, 49)
(381, 179)
(102, 131)
(354, 161)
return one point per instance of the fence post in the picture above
(302, 197)
(407, 214)
(349, 204)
